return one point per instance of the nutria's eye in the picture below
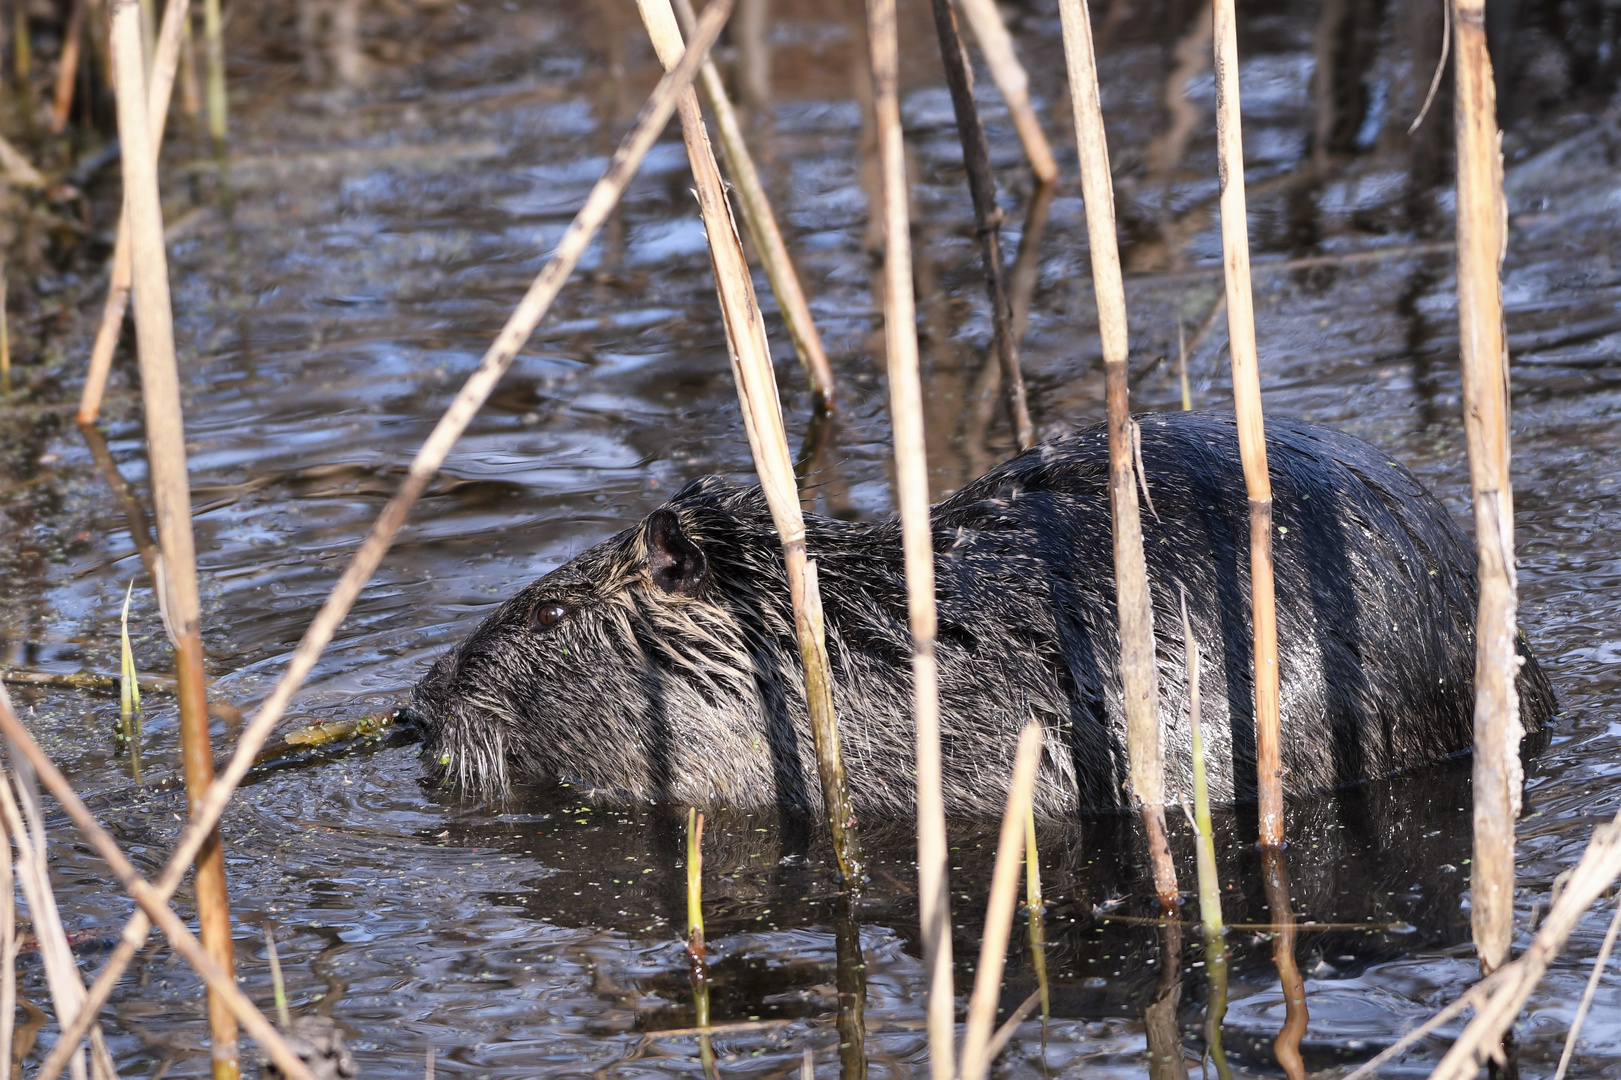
(547, 615)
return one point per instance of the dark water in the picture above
(337, 283)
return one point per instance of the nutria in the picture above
(662, 664)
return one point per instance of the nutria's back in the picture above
(662, 664)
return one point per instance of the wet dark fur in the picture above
(674, 673)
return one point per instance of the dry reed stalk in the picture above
(1139, 671)
(191, 98)
(118, 287)
(1027, 263)
(24, 821)
(520, 325)
(67, 68)
(9, 944)
(1010, 78)
(1588, 991)
(1599, 866)
(5, 333)
(1235, 247)
(171, 496)
(1182, 367)
(762, 226)
(1286, 1048)
(917, 538)
(976, 1062)
(22, 62)
(976, 154)
(152, 905)
(214, 52)
(19, 170)
(1481, 229)
(768, 439)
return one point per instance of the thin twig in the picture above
(1440, 65)
(599, 203)
(1602, 959)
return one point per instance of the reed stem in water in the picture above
(278, 987)
(762, 226)
(976, 1058)
(171, 496)
(214, 52)
(768, 440)
(1235, 247)
(1010, 78)
(1498, 776)
(152, 908)
(159, 90)
(912, 494)
(976, 153)
(1139, 670)
(604, 196)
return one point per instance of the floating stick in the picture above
(599, 203)
(976, 155)
(171, 497)
(1498, 775)
(1010, 78)
(762, 226)
(1139, 671)
(917, 538)
(768, 440)
(1235, 246)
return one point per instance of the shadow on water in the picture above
(377, 215)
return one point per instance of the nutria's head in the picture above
(625, 667)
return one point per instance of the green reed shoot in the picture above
(1215, 934)
(280, 988)
(129, 686)
(1036, 908)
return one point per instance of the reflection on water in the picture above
(388, 198)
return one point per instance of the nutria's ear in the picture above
(678, 564)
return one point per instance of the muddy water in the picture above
(339, 278)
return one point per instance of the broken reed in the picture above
(976, 153)
(1010, 78)
(761, 223)
(159, 90)
(1483, 349)
(153, 898)
(1235, 247)
(1139, 671)
(171, 495)
(768, 439)
(912, 494)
